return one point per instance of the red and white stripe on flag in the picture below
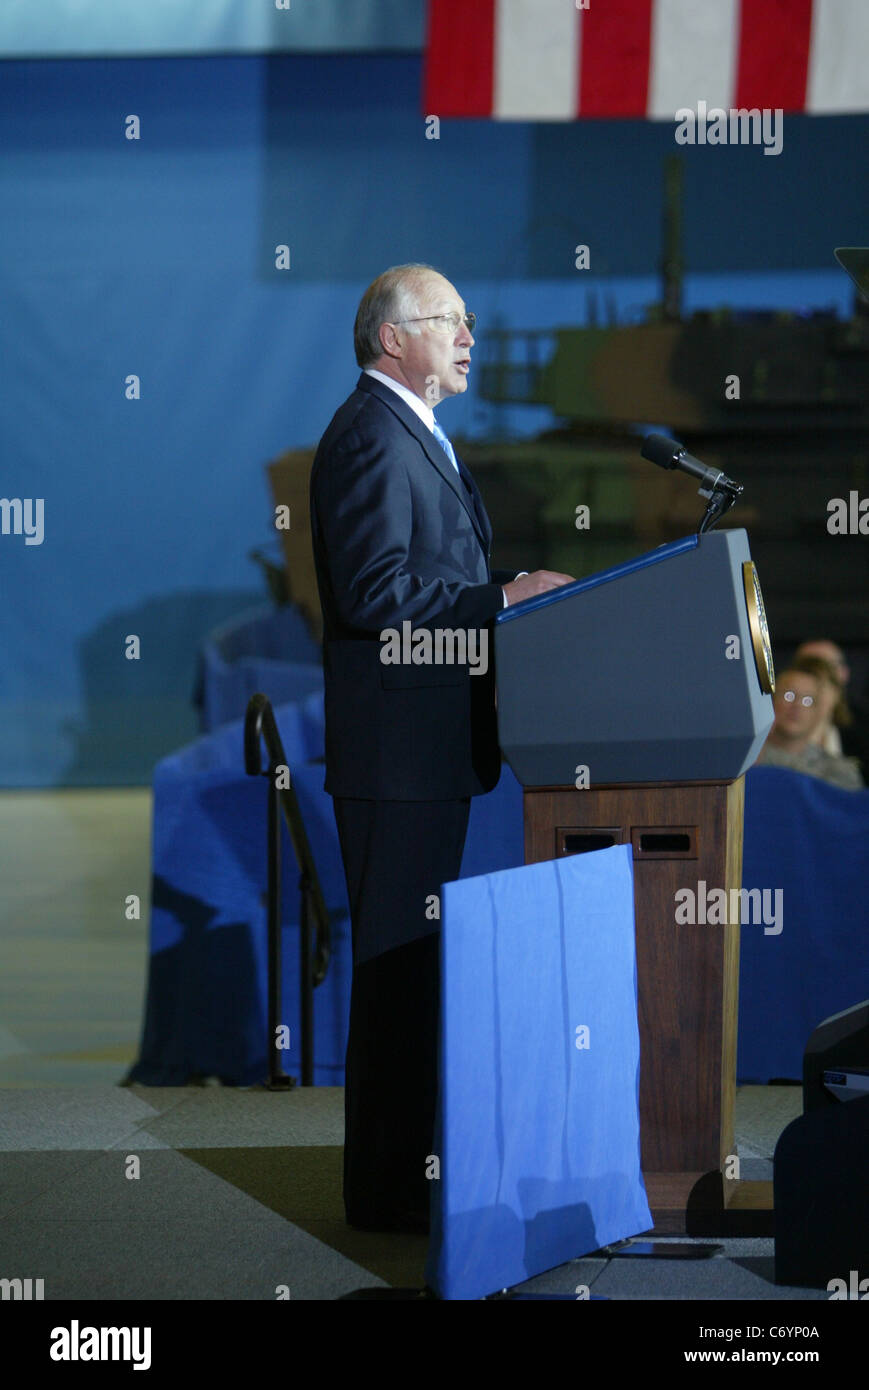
(555, 60)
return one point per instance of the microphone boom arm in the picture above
(721, 498)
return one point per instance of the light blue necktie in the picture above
(446, 446)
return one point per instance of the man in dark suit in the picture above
(401, 537)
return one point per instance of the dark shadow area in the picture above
(203, 988)
(137, 711)
(598, 182)
(304, 1185)
(761, 1265)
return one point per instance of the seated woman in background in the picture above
(836, 713)
(848, 732)
(806, 696)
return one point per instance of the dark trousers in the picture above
(396, 856)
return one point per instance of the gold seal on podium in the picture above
(759, 630)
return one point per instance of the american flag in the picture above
(562, 59)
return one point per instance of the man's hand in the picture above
(540, 582)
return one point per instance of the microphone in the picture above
(669, 453)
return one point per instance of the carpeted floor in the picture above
(216, 1193)
(112, 1192)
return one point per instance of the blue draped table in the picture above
(206, 1001)
(206, 1008)
(810, 841)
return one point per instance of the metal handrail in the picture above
(260, 726)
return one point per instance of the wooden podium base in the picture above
(687, 842)
(708, 1204)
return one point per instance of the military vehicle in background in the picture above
(777, 400)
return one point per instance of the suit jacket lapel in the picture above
(434, 453)
(485, 527)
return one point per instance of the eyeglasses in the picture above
(790, 695)
(446, 323)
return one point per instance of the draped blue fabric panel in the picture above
(811, 841)
(539, 1136)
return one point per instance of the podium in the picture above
(630, 704)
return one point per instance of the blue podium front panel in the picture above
(643, 673)
(538, 1139)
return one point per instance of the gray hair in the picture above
(391, 298)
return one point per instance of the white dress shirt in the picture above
(417, 405)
